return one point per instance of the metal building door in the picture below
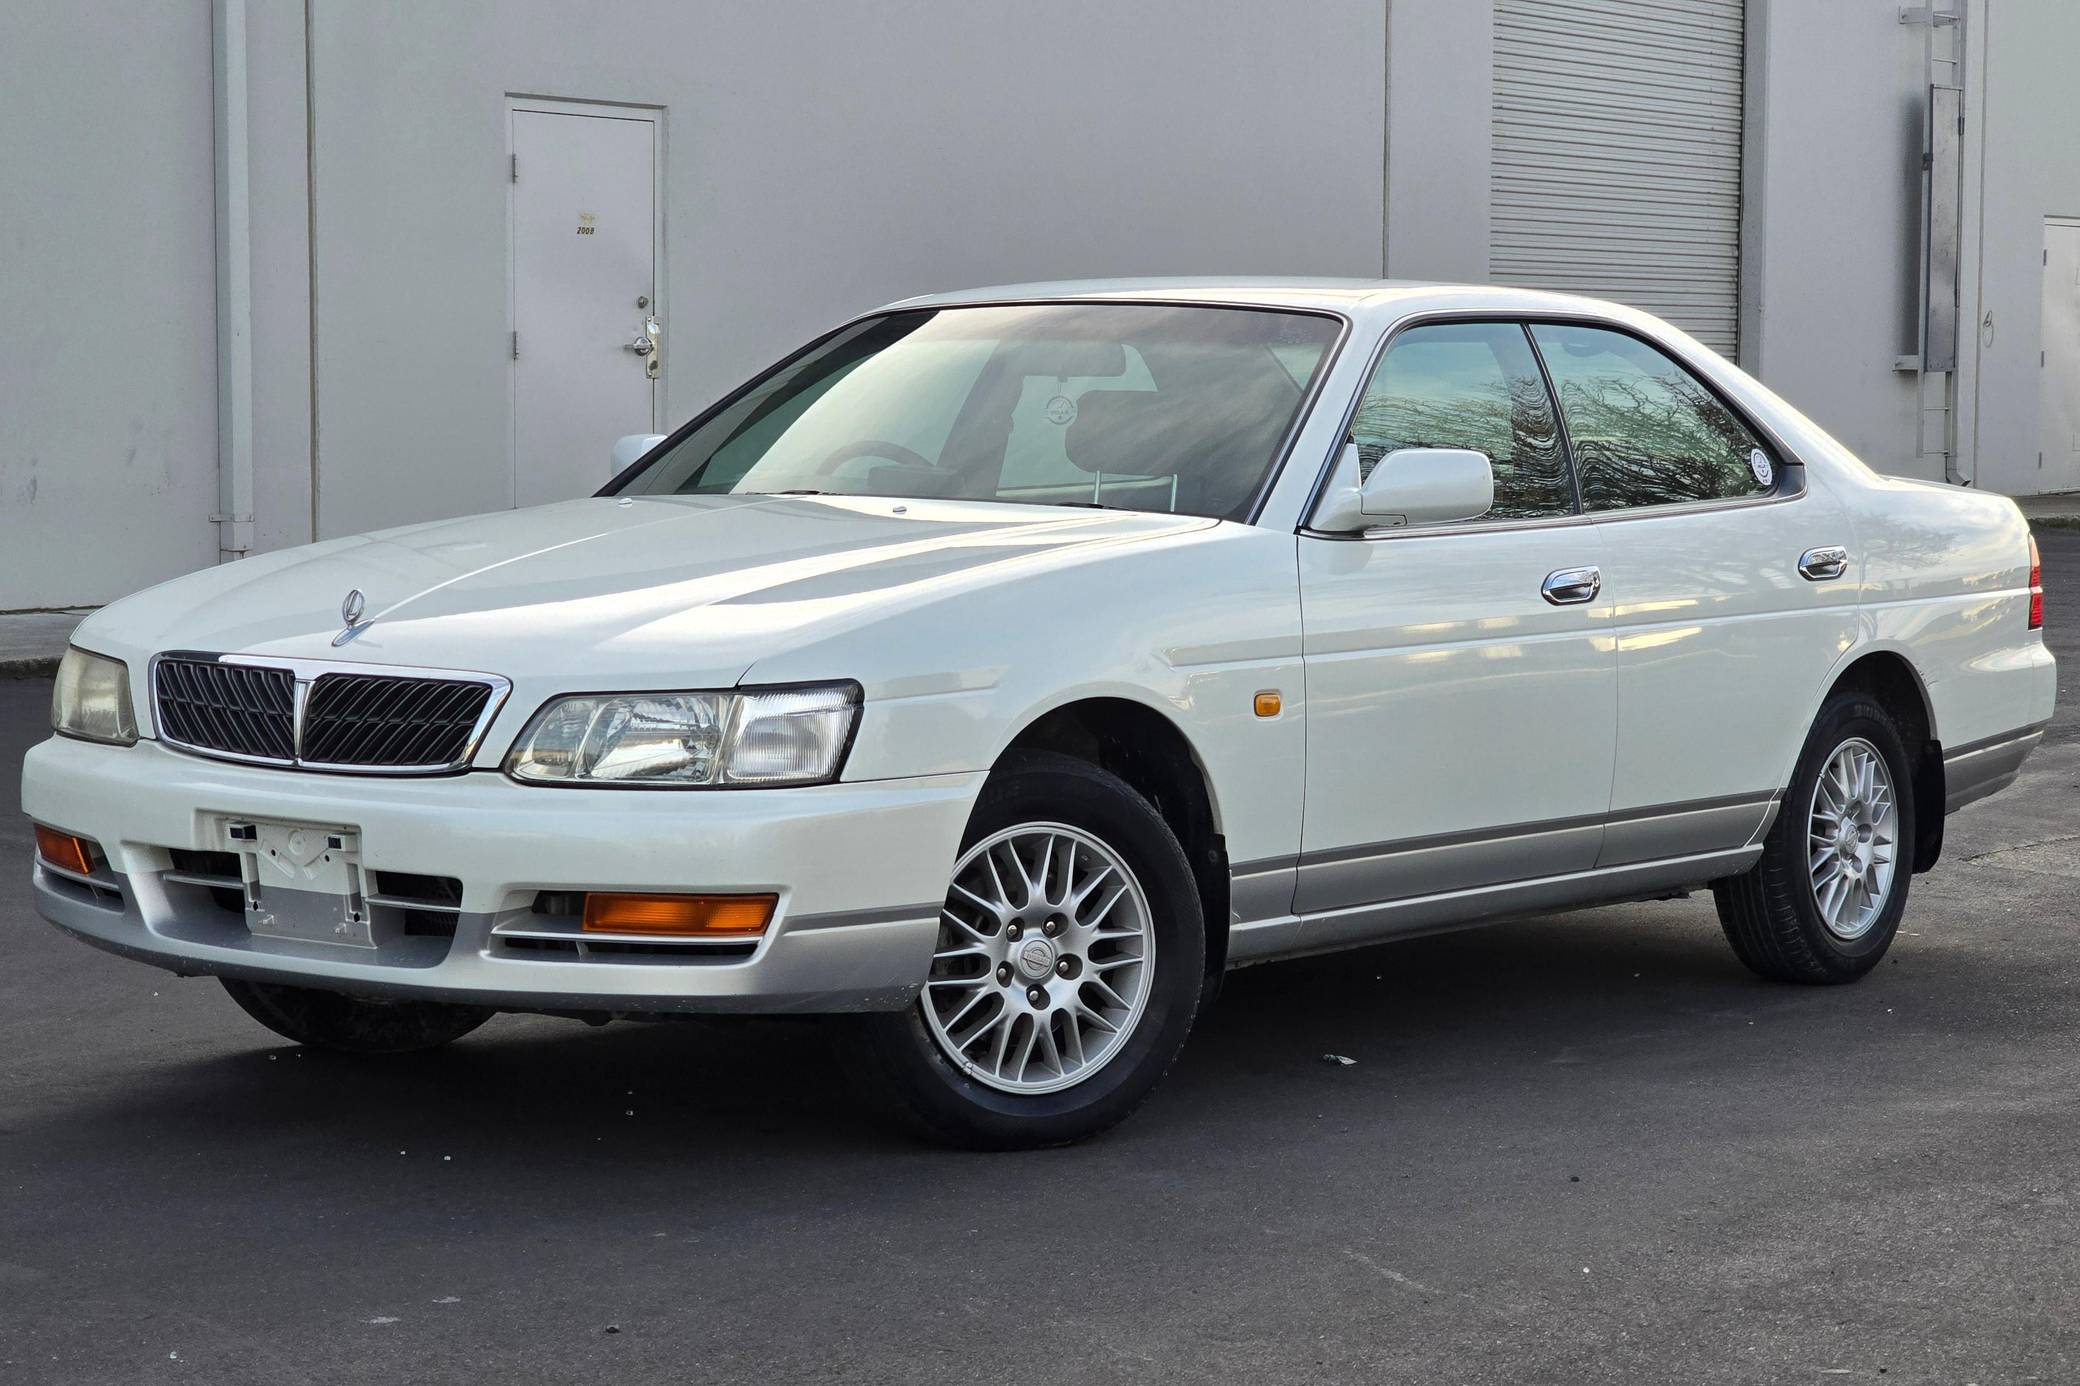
(587, 344)
(1616, 150)
(2058, 461)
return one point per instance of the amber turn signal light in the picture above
(1268, 704)
(63, 849)
(679, 916)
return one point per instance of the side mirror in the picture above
(628, 449)
(1409, 486)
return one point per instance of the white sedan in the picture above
(1002, 667)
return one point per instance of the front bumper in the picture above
(860, 871)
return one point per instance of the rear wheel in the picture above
(350, 1024)
(1825, 901)
(1068, 968)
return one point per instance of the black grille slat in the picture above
(388, 720)
(425, 737)
(410, 723)
(374, 722)
(240, 710)
(371, 721)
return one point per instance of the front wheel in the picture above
(1824, 902)
(350, 1025)
(1068, 969)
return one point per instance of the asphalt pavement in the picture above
(1582, 1149)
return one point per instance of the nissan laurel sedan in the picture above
(1002, 667)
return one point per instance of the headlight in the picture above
(774, 736)
(92, 699)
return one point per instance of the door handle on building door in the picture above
(649, 346)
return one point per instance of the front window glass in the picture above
(1132, 406)
(1470, 385)
(1644, 430)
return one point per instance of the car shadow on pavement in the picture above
(1635, 996)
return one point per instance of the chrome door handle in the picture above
(1572, 586)
(1823, 564)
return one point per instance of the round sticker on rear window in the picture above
(1758, 463)
(1061, 410)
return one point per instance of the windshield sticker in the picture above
(1061, 410)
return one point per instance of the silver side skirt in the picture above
(1292, 935)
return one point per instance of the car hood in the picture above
(646, 591)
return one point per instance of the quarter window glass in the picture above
(1644, 430)
(1470, 385)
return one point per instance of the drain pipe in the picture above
(234, 514)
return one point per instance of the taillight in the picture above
(2036, 586)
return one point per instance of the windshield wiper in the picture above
(1089, 505)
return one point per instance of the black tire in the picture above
(896, 1054)
(351, 1025)
(1769, 913)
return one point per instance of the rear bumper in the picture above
(1970, 773)
(1997, 711)
(859, 869)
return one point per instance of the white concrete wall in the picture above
(278, 160)
(820, 159)
(1834, 246)
(2030, 171)
(825, 158)
(1837, 245)
(107, 299)
(1440, 98)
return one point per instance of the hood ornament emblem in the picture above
(350, 611)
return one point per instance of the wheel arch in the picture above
(1145, 747)
(1889, 676)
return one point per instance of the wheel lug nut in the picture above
(1013, 932)
(1037, 995)
(1051, 927)
(1065, 967)
(1004, 974)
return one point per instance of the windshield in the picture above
(1130, 406)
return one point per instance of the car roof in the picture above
(1347, 295)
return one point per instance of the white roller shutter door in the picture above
(1617, 155)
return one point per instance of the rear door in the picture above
(1460, 722)
(1722, 641)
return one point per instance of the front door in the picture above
(1461, 703)
(587, 344)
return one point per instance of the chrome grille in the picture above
(239, 709)
(380, 720)
(314, 715)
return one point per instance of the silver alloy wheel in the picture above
(1046, 953)
(1852, 838)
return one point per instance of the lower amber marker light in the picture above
(679, 916)
(63, 849)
